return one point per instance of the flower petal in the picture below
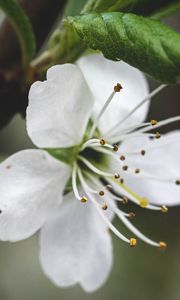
(162, 160)
(76, 247)
(102, 75)
(31, 189)
(59, 108)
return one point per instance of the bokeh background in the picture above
(143, 273)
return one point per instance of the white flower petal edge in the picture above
(59, 108)
(102, 75)
(76, 246)
(159, 168)
(32, 183)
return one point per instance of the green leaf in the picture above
(22, 27)
(109, 5)
(144, 43)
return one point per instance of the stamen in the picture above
(117, 89)
(178, 182)
(122, 157)
(133, 242)
(102, 142)
(74, 185)
(161, 123)
(131, 215)
(162, 245)
(153, 122)
(164, 209)
(89, 142)
(101, 193)
(93, 168)
(104, 206)
(148, 98)
(157, 135)
(143, 152)
(84, 199)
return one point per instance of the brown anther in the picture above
(125, 200)
(0, 211)
(144, 203)
(101, 193)
(162, 245)
(131, 215)
(137, 171)
(133, 242)
(84, 199)
(104, 206)
(116, 176)
(117, 88)
(115, 148)
(109, 187)
(102, 142)
(122, 157)
(8, 167)
(143, 152)
(164, 209)
(125, 168)
(178, 182)
(157, 135)
(153, 122)
(121, 180)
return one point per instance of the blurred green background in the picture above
(143, 273)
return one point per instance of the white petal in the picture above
(31, 189)
(76, 247)
(102, 75)
(59, 108)
(162, 160)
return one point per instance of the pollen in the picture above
(116, 176)
(131, 215)
(154, 122)
(162, 245)
(122, 157)
(115, 148)
(143, 152)
(117, 88)
(84, 199)
(157, 135)
(144, 203)
(133, 242)
(164, 209)
(102, 142)
(101, 193)
(104, 206)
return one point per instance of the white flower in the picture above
(69, 118)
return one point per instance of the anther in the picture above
(122, 157)
(133, 242)
(8, 167)
(101, 193)
(157, 135)
(164, 209)
(131, 215)
(153, 122)
(162, 245)
(115, 148)
(84, 199)
(116, 176)
(104, 206)
(117, 88)
(125, 200)
(121, 180)
(109, 187)
(102, 142)
(125, 168)
(144, 203)
(137, 171)
(178, 182)
(143, 152)
(0, 211)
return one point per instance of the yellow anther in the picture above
(153, 122)
(122, 157)
(125, 200)
(162, 245)
(104, 206)
(131, 215)
(164, 209)
(143, 152)
(143, 202)
(102, 142)
(116, 176)
(101, 193)
(117, 88)
(84, 199)
(157, 135)
(115, 148)
(133, 242)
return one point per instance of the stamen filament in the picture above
(93, 168)
(74, 183)
(161, 123)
